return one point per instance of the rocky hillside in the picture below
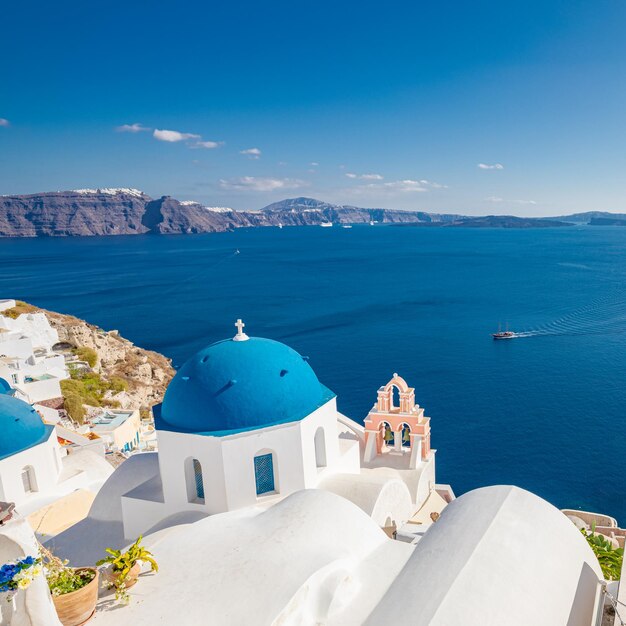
(146, 374)
(131, 212)
(308, 211)
(73, 213)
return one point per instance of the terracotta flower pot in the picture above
(110, 576)
(131, 579)
(77, 607)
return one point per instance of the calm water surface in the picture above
(545, 412)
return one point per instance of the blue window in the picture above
(264, 473)
(197, 475)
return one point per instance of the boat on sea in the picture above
(326, 224)
(347, 226)
(504, 334)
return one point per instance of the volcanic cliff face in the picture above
(131, 212)
(73, 213)
(169, 216)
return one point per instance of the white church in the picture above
(265, 505)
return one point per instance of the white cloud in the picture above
(432, 185)
(253, 153)
(4, 122)
(256, 183)
(314, 164)
(487, 166)
(173, 136)
(131, 128)
(365, 176)
(498, 199)
(406, 185)
(209, 145)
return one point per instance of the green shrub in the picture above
(609, 557)
(74, 407)
(87, 354)
(117, 384)
(87, 390)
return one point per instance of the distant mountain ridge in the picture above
(590, 217)
(125, 211)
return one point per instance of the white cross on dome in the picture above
(240, 336)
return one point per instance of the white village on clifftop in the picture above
(263, 504)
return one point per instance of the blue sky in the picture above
(478, 107)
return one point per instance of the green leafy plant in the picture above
(87, 354)
(609, 557)
(121, 564)
(74, 406)
(61, 578)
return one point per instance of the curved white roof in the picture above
(386, 499)
(498, 555)
(294, 562)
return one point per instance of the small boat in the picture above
(372, 222)
(347, 226)
(507, 334)
(280, 225)
(326, 224)
(504, 334)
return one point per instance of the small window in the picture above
(197, 474)
(28, 480)
(194, 480)
(264, 473)
(320, 448)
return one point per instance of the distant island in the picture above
(88, 212)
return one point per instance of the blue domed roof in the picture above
(20, 426)
(233, 386)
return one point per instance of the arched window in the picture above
(29, 481)
(405, 431)
(395, 397)
(195, 481)
(388, 434)
(320, 448)
(264, 475)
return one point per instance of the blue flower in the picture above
(7, 572)
(29, 560)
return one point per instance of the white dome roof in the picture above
(498, 555)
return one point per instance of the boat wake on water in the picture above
(602, 316)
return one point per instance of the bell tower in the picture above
(401, 430)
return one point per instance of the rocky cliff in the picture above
(131, 212)
(73, 213)
(145, 373)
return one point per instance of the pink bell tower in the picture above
(398, 430)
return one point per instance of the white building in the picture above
(33, 469)
(264, 505)
(28, 362)
(246, 422)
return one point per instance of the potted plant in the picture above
(124, 567)
(74, 590)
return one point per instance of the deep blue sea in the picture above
(546, 411)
